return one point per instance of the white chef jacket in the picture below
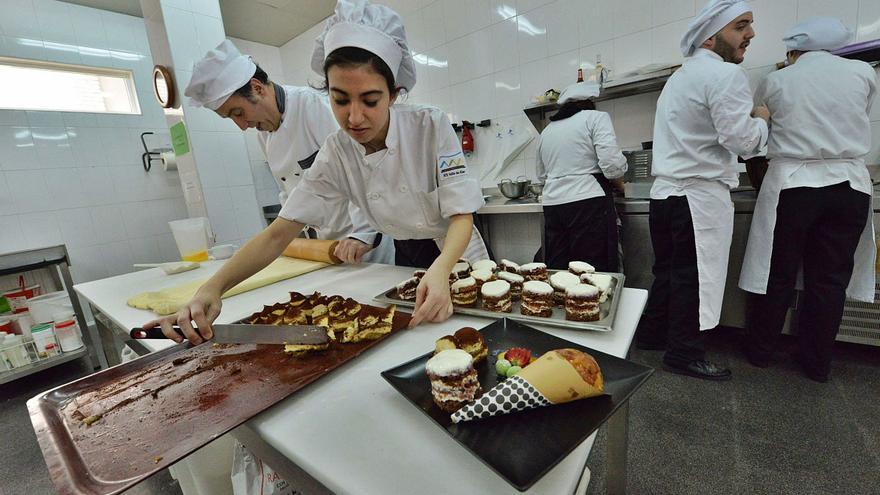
(821, 133)
(305, 124)
(408, 191)
(820, 116)
(702, 123)
(571, 150)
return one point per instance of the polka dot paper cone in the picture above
(514, 394)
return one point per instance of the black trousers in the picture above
(672, 315)
(418, 253)
(819, 227)
(584, 230)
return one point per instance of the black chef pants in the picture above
(819, 227)
(418, 253)
(584, 230)
(672, 314)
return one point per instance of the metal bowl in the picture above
(536, 188)
(513, 190)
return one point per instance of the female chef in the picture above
(401, 165)
(578, 158)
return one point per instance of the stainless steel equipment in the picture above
(638, 178)
(514, 189)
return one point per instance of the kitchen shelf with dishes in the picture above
(27, 346)
(617, 88)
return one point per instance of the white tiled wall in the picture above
(483, 59)
(76, 178)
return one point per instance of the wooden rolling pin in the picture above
(312, 249)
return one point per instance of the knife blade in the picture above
(242, 333)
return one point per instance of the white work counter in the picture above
(351, 431)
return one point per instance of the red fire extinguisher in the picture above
(467, 139)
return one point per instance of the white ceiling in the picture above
(271, 22)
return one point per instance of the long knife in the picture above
(241, 333)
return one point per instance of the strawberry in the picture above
(518, 356)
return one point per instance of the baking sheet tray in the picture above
(523, 446)
(607, 309)
(161, 407)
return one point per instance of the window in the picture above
(38, 85)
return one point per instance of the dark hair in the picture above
(352, 56)
(572, 107)
(246, 91)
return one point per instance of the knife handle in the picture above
(153, 333)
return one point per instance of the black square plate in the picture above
(523, 446)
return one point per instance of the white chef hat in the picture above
(216, 76)
(579, 91)
(375, 28)
(817, 33)
(714, 16)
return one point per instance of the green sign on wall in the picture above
(179, 141)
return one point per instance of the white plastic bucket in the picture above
(191, 236)
(43, 307)
(67, 332)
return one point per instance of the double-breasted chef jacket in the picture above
(819, 138)
(291, 149)
(407, 191)
(702, 123)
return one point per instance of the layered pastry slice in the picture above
(454, 381)
(484, 265)
(308, 343)
(537, 299)
(601, 281)
(508, 266)
(516, 283)
(461, 269)
(482, 276)
(372, 323)
(406, 290)
(561, 281)
(464, 292)
(534, 271)
(579, 268)
(582, 303)
(467, 339)
(496, 296)
(344, 316)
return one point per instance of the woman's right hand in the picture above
(202, 309)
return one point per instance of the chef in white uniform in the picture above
(577, 159)
(402, 165)
(703, 122)
(292, 123)
(814, 207)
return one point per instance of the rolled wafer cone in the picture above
(551, 379)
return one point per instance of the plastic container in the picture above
(22, 323)
(6, 325)
(191, 236)
(67, 332)
(43, 307)
(44, 340)
(18, 297)
(14, 352)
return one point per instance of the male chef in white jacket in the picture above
(703, 122)
(814, 207)
(293, 123)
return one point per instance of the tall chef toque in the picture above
(375, 28)
(714, 16)
(216, 76)
(817, 33)
(579, 91)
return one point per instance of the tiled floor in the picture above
(767, 431)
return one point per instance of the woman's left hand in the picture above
(433, 302)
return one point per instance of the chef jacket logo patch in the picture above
(452, 165)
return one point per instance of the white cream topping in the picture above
(562, 280)
(532, 266)
(484, 265)
(482, 275)
(510, 264)
(496, 288)
(600, 280)
(449, 362)
(463, 283)
(461, 267)
(582, 290)
(511, 277)
(406, 282)
(537, 287)
(580, 267)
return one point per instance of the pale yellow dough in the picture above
(168, 301)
